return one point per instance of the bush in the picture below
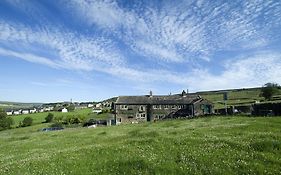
(27, 121)
(105, 111)
(5, 122)
(73, 119)
(268, 90)
(71, 108)
(49, 118)
(59, 119)
(57, 124)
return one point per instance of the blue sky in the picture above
(92, 50)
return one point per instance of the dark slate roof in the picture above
(155, 100)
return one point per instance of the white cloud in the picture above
(29, 57)
(71, 51)
(246, 71)
(178, 34)
(171, 32)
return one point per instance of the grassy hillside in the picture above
(237, 97)
(17, 105)
(214, 145)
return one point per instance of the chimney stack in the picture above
(150, 93)
(183, 93)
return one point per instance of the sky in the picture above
(92, 50)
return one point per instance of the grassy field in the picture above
(40, 117)
(237, 97)
(213, 145)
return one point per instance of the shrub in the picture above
(5, 122)
(27, 121)
(49, 118)
(71, 108)
(268, 90)
(105, 111)
(59, 119)
(57, 124)
(73, 119)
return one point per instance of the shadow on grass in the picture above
(266, 145)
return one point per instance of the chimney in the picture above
(183, 93)
(150, 93)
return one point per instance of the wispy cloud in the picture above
(29, 57)
(189, 29)
(186, 33)
(70, 50)
(251, 70)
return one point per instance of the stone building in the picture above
(149, 108)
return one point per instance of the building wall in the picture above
(203, 107)
(140, 113)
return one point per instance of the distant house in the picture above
(25, 111)
(64, 110)
(149, 108)
(17, 112)
(9, 112)
(106, 104)
(33, 110)
(98, 105)
(41, 110)
(49, 108)
(90, 105)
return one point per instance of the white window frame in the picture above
(142, 108)
(124, 107)
(140, 116)
(156, 106)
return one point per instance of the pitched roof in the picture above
(155, 100)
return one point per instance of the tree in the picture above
(71, 108)
(268, 90)
(49, 118)
(27, 121)
(5, 122)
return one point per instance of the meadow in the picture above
(209, 145)
(238, 97)
(40, 117)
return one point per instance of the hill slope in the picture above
(215, 145)
(245, 96)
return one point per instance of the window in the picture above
(174, 107)
(166, 106)
(123, 107)
(140, 116)
(156, 106)
(141, 108)
(180, 106)
(158, 116)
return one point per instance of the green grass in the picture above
(237, 97)
(214, 145)
(40, 117)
